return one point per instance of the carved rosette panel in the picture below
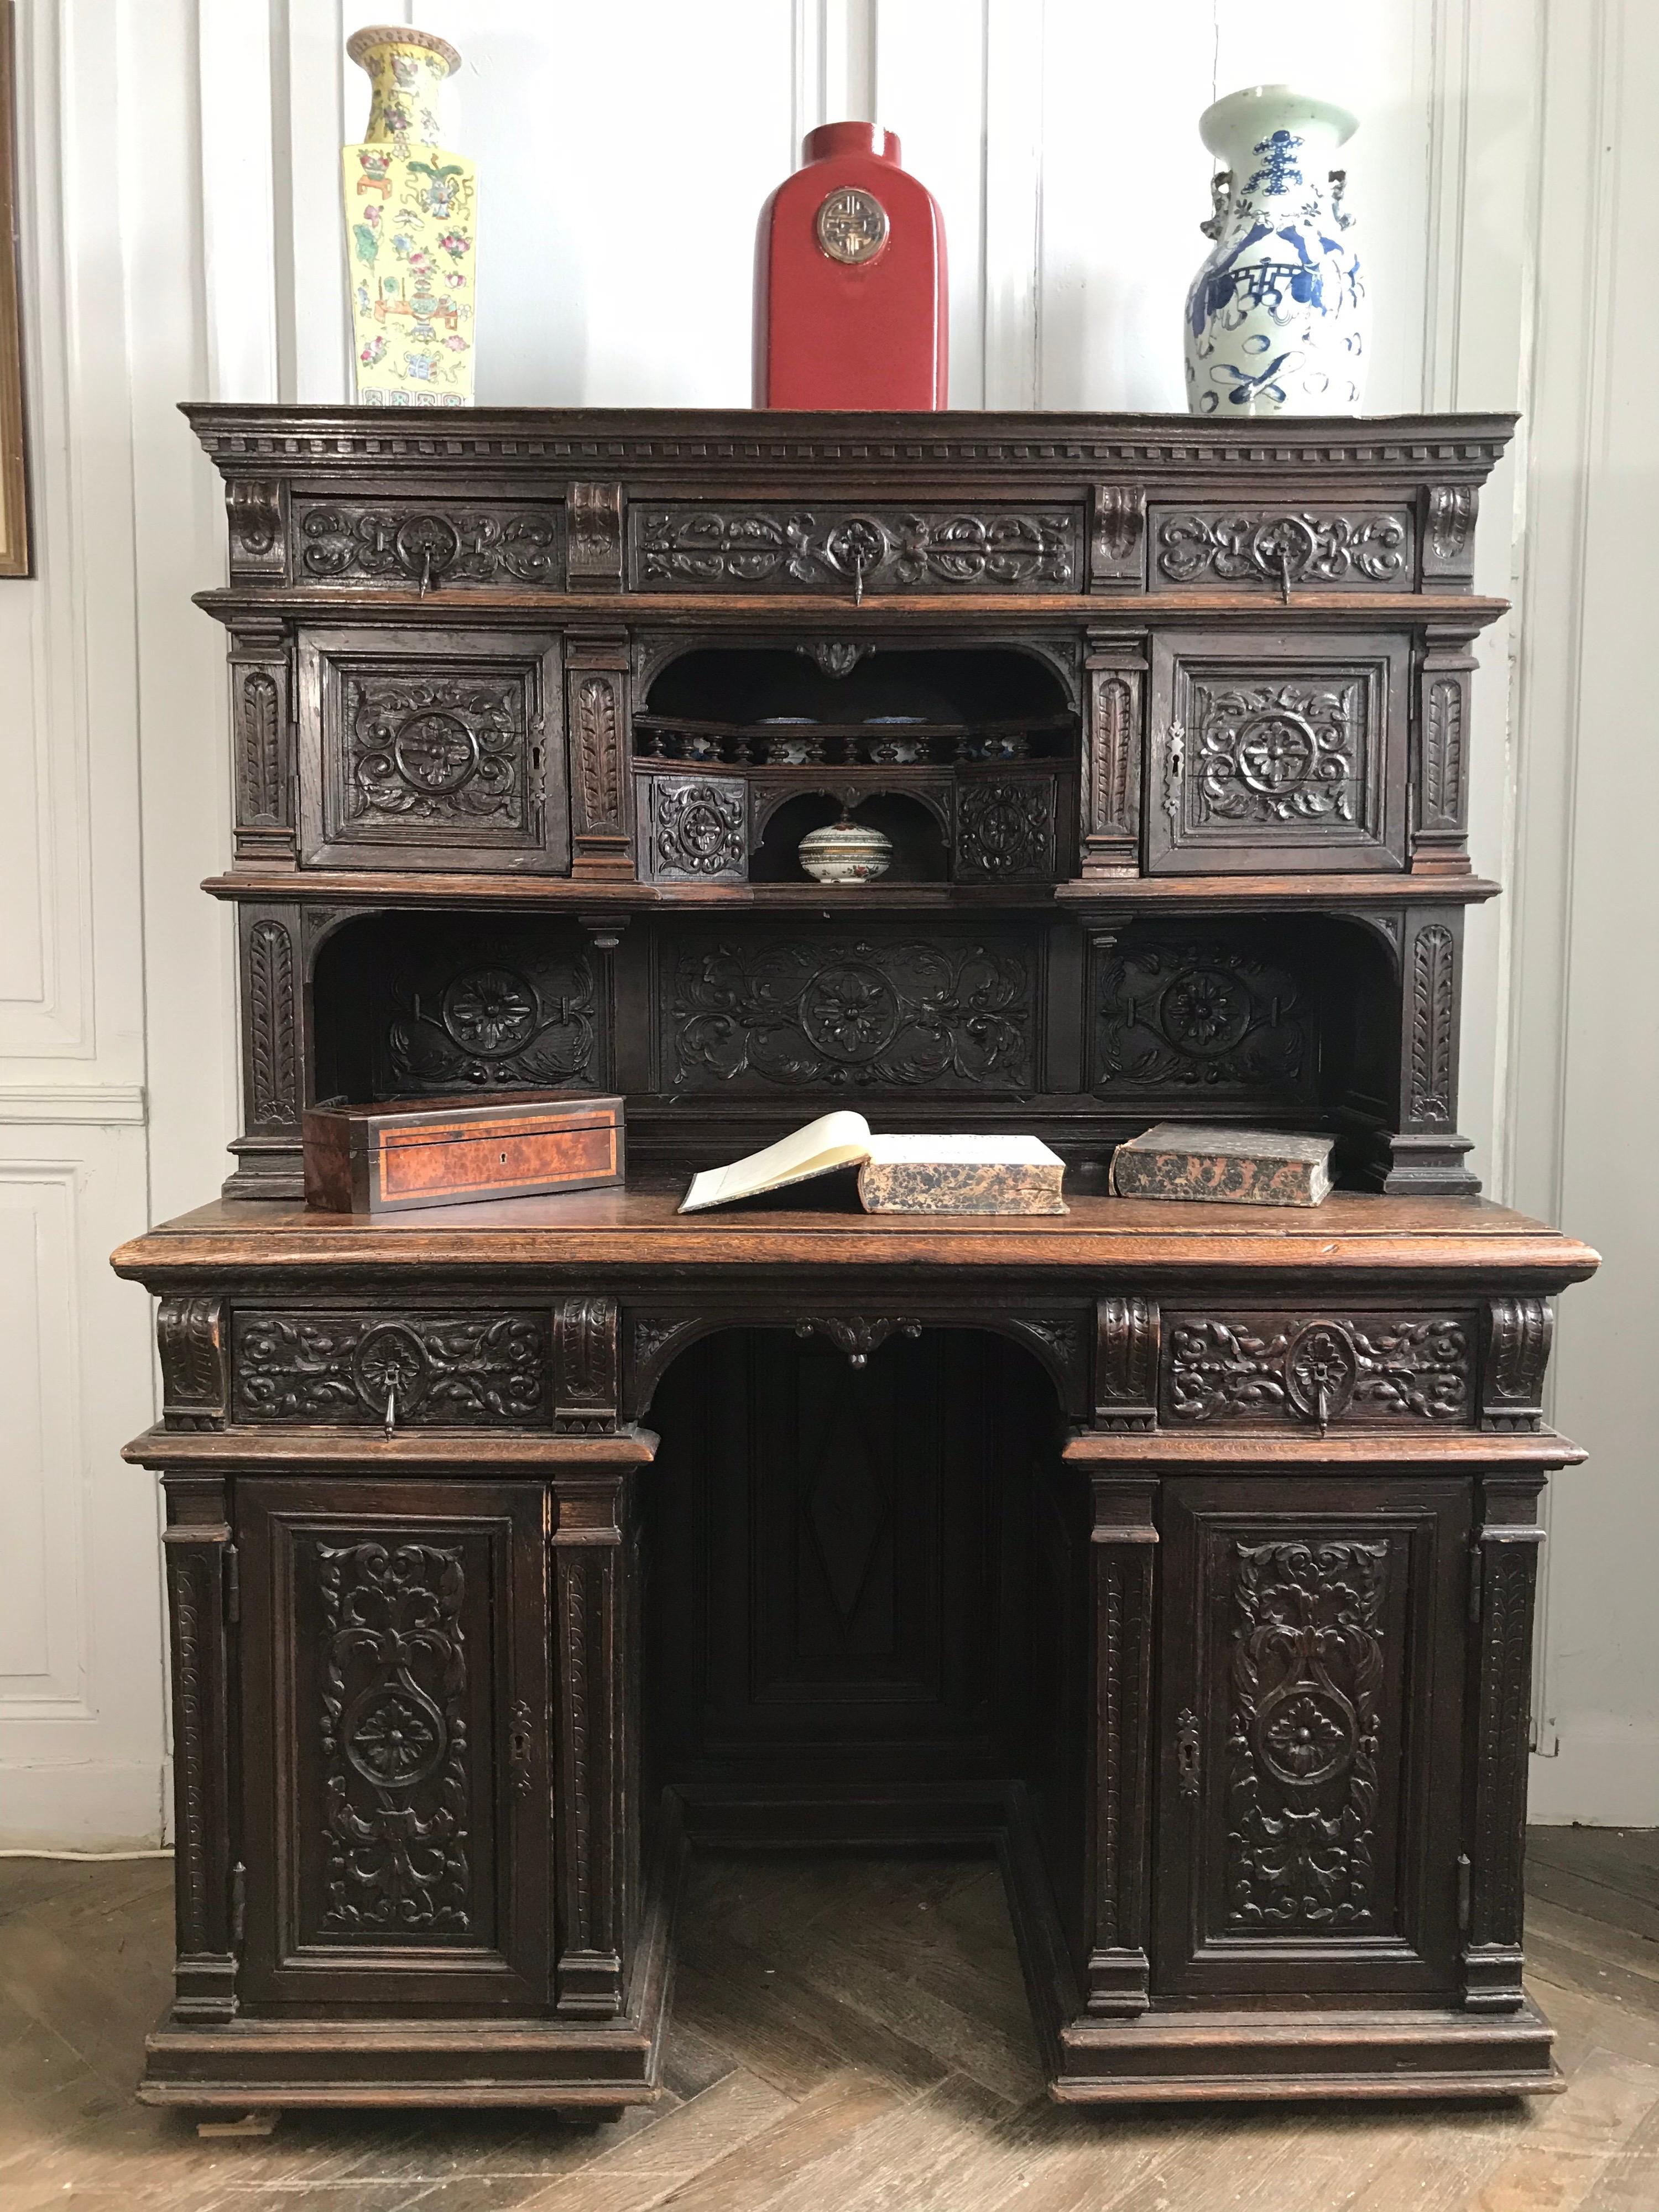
(586, 1362)
(1519, 1334)
(1004, 829)
(448, 548)
(595, 525)
(690, 548)
(1431, 1092)
(443, 750)
(1319, 1370)
(191, 1339)
(1283, 549)
(270, 1014)
(1128, 1331)
(1117, 538)
(511, 1016)
(1178, 1015)
(1449, 514)
(1303, 1736)
(394, 1739)
(1263, 755)
(836, 1013)
(697, 829)
(425, 1370)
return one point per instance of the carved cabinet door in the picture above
(394, 1686)
(1276, 752)
(432, 749)
(1311, 1717)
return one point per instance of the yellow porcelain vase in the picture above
(411, 233)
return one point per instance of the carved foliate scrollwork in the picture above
(697, 829)
(858, 1334)
(837, 1013)
(835, 656)
(515, 1017)
(1444, 752)
(691, 547)
(1005, 828)
(434, 1371)
(1433, 975)
(1284, 549)
(191, 1339)
(190, 1603)
(395, 1747)
(1304, 1736)
(1265, 754)
(1318, 1369)
(1187, 1014)
(443, 547)
(258, 718)
(586, 1364)
(596, 730)
(1509, 1569)
(1115, 720)
(595, 524)
(273, 1054)
(440, 750)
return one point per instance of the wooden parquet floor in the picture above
(850, 2036)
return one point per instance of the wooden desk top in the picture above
(639, 1229)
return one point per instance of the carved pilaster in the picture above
(595, 538)
(254, 509)
(1126, 1337)
(274, 1084)
(263, 741)
(1450, 512)
(1427, 1155)
(596, 679)
(587, 1365)
(197, 1548)
(1514, 1356)
(1117, 667)
(595, 1595)
(1117, 538)
(1506, 1564)
(1440, 830)
(1120, 1573)
(194, 1345)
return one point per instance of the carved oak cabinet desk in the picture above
(1182, 1557)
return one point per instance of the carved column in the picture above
(1120, 1589)
(595, 1667)
(1506, 1568)
(200, 1559)
(1440, 831)
(1116, 665)
(598, 719)
(274, 1086)
(1426, 1154)
(262, 739)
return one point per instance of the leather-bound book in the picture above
(1231, 1167)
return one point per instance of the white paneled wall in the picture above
(181, 237)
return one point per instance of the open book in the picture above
(896, 1175)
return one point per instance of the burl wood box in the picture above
(400, 1153)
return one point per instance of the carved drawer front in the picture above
(395, 1696)
(432, 749)
(814, 545)
(1301, 1368)
(443, 1369)
(1289, 755)
(1364, 547)
(448, 544)
(1311, 1724)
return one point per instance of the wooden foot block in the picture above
(251, 2124)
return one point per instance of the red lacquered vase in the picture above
(850, 307)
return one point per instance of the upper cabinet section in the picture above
(952, 507)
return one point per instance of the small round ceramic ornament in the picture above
(1277, 318)
(845, 853)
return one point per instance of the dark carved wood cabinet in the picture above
(1181, 1556)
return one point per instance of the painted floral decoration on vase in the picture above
(411, 231)
(1277, 318)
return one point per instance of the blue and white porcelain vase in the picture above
(1277, 320)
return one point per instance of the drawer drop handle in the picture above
(390, 1408)
(1186, 1752)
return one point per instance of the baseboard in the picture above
(99, 1806)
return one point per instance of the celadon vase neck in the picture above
(406, 70)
